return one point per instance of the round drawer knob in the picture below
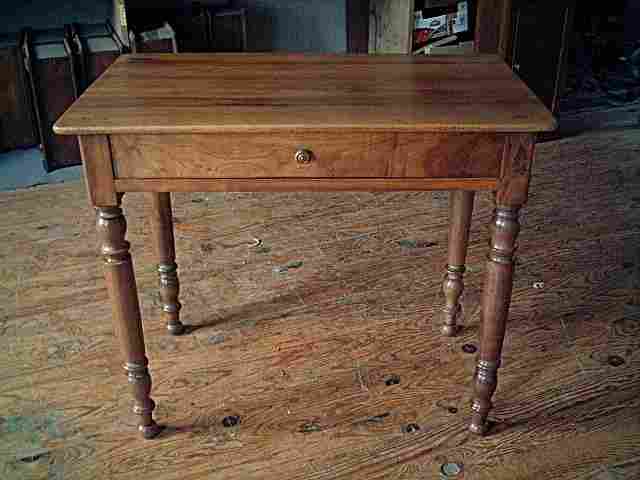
(303, 156)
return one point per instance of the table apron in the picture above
(118, 163)
(308, 155)
(301, 184)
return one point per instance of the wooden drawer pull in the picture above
(304, 156)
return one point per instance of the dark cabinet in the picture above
(17, 125)
(96, 46)
(540, 42)
(229, 30)
(194, 26)
(193, 29)
(54, 85)
(59, 65)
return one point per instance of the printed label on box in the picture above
(461, 21)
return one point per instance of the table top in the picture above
(207, 93)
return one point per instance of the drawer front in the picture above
(312, 155)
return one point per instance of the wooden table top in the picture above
(206, 93)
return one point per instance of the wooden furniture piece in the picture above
(391, 24)
(196, 27)
(357, 25)
(544, 74)
(159, 40)
(493, 27)
(201, 28)
(307, 123)
(193, 28)
(97, 47)
(17, 125)
(229, 30)
(54, 85)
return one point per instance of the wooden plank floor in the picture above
(304, 356)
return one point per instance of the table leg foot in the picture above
(486, 381)
(176, 329)
(452, 289)
(169, 291)
(150, 431)
(140, 381)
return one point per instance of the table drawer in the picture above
(312, 155)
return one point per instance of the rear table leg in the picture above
(164, 246)
(461, 208)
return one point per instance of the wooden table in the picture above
(191, 123)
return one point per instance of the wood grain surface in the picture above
(207, 93)
(301, 184)
(517, 163)
(98, 170)
(360, 155)
(327, 362)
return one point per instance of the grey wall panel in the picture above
(296, 25)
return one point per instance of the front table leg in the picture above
(495, 308)
(121, 284)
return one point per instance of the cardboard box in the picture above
(428, 29)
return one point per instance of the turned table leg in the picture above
(121, 284)
(164, 246)
(461, 208)
(495, 308)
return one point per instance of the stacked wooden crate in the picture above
(60, 64)
(17, 125)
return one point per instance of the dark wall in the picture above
(632, 25)
(40, 14)
(293, 25)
